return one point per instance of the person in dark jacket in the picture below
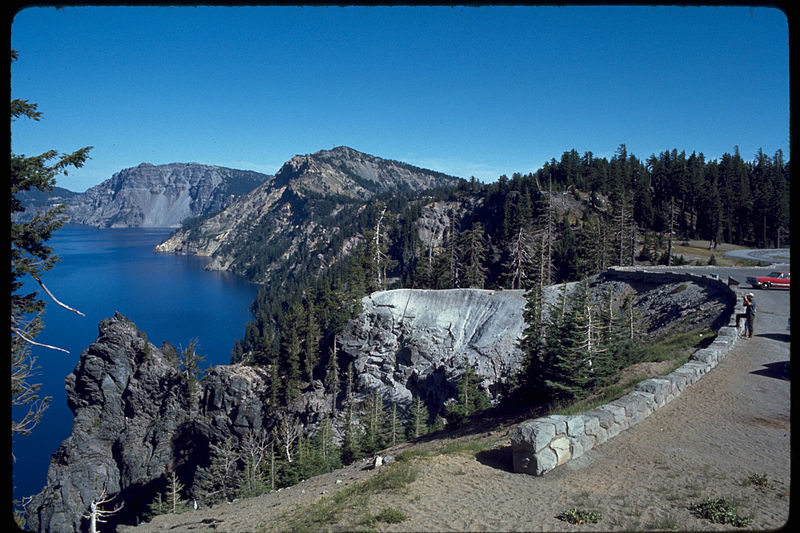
(749, 314)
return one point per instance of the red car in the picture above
(773, 279)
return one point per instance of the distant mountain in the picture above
(154, 195)
(347, 172)
(294, 212)
(34, 201)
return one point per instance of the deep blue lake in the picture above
(169, 297)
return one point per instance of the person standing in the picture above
(749, 314)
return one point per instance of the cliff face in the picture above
(135, 422)
(419, 342)
(156, 195)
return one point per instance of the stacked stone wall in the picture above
(542, 444)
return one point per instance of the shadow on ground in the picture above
(779, 370)
(780, 337)
(499, 458)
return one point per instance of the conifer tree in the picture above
(418, 425)
(470, 398)
(453, 279)
(350, 450)
(396, 427)
(374, 422)
(311, 340)
(224, 475)
(329, 458)
(255, 447)
(332, 378)
(290, 349)
(520, 259)
(566, 364)
(532, 340)
(175, 490)
(473, 256)
(189, 364)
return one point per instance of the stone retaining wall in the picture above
(542, 444)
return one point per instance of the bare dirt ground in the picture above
(733, 423)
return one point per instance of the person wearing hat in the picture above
(749, 314)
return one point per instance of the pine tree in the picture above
(350, 450)
(374, 423)
(332, 378)
(189, 365)
(255, 447)
(566, 363)
(311, 340)
(396, 427)
(453, 264)
(418, 425)
(520, 259)
(380, 261)
(329, 458)
(175, 488)
(224, 475)
(532, 341)
(470, 398)
(473, 256)
(290, 348)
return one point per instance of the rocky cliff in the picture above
(297, 211)
(420, 341)
(155, 195)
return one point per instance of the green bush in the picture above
(720, 511)
(579, 516)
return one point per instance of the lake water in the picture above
(171, 298)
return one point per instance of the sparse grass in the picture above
(677, 347)
(329, 510)
(391, 515)
(468, 446)
(679, 288)
(720, 511)
(665, 523)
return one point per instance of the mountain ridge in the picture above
(280, 217)
(150, 195)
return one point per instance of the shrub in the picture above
(720, 511)
(391, 515)
(579, 516)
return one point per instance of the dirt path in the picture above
(733, 423)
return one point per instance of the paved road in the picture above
(771, 255)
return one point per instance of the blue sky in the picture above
(469, 91)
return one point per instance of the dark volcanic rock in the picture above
(135, 422)
(129, 402)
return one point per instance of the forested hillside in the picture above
(572, 218)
